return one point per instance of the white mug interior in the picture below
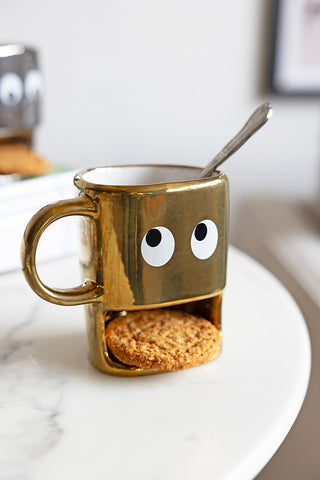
(139, 174)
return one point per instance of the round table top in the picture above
(62, 418)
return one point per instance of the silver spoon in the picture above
(259, 117)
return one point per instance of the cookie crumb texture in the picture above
(19, 158)
(162, 339)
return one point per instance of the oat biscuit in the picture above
(162, 339)
(19, 158)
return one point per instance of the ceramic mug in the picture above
(151, 236)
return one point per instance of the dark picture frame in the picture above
(296, 47)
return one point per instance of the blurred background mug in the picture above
(21, 88)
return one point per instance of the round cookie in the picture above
(19, 158)
(162, 339)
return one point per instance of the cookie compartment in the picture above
(98, 318)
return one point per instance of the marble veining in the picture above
(31, 393)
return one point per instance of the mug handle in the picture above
(89, 291)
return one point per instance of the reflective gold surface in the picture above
(87, 292)
(115, 219)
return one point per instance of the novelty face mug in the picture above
(21, 87)
(151, 236)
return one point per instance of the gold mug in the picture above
(151, 236)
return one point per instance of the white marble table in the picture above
(60, 418)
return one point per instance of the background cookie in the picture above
(19, 158)
(162, 339)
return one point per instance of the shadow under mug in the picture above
(151, 236)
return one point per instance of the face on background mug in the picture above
(151, 236)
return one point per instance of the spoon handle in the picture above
(259, 117)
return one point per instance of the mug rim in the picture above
(83, 184)
(16, 49)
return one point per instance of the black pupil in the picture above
(201, 231)
(153, 237)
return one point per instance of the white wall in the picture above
(164, 81)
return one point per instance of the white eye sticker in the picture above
(11, 89)
(157, 246)
(33, 85)
(204, 239)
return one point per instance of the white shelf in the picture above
(19, 201)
